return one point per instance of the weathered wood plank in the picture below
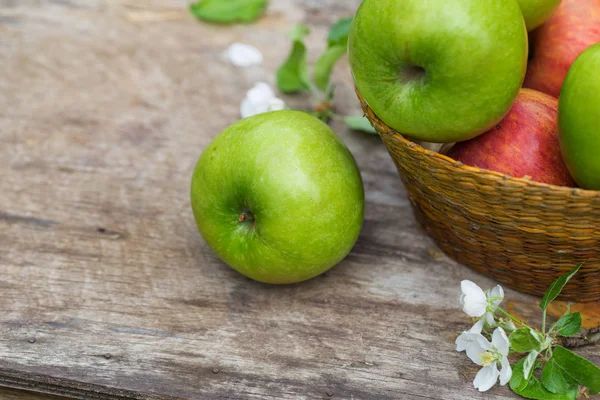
(14, 394)
(105, 107)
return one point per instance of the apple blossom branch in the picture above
(591, 337)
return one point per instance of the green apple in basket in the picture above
(439, 71)
(536, 12)
(278, 197)
(579, 119)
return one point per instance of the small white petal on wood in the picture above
(243, 55)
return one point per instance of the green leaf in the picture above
(529, 364)
(338, 35)
(556, 287)
(359, 123)
(576, 369)
(299, 32)
(337, 45)
(519, 380)
(554, 380)
(532, 388)
(524, 340)
(569, 324)
(325, 64)
(292, 76)
(228, 11)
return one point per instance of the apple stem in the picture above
(246, 215)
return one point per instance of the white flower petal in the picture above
(462, 342)
(506, 372)
(474, 301)
(466, 340)
(498, 293)
(474, 308)
(478, 327)
(489, 318)
(243, 55)
(248, 108)
(478, 345)
(500, 341)
(486, 378)
(462, 300)
(276, 104)
(258, 100)
(261, 92)
(470, 288)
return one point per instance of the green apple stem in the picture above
(246, 216)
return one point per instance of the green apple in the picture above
(536, 12)
(278, 197)
(579, 119)
(439, 70)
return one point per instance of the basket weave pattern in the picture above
(524, 234)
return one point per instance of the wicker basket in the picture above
(524, 234)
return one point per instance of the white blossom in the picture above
(260, 99)
(243, 55)
(479, 304)
(488, 355)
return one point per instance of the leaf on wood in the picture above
(325, 64)
(292, 76)
(228, 11)
(554, 380)
(359, 123)
(338, 35)
(577, 369)
(532, 388)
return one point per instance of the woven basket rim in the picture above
(492, 176)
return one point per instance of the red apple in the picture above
(524, 143)
(573, 27)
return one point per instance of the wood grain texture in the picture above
(107, 289)
(14, 394)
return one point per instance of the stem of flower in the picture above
(544, 321)
(513, 318)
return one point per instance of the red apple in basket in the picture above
(524, 143)
(573, 27)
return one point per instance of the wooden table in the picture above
(107, 289)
